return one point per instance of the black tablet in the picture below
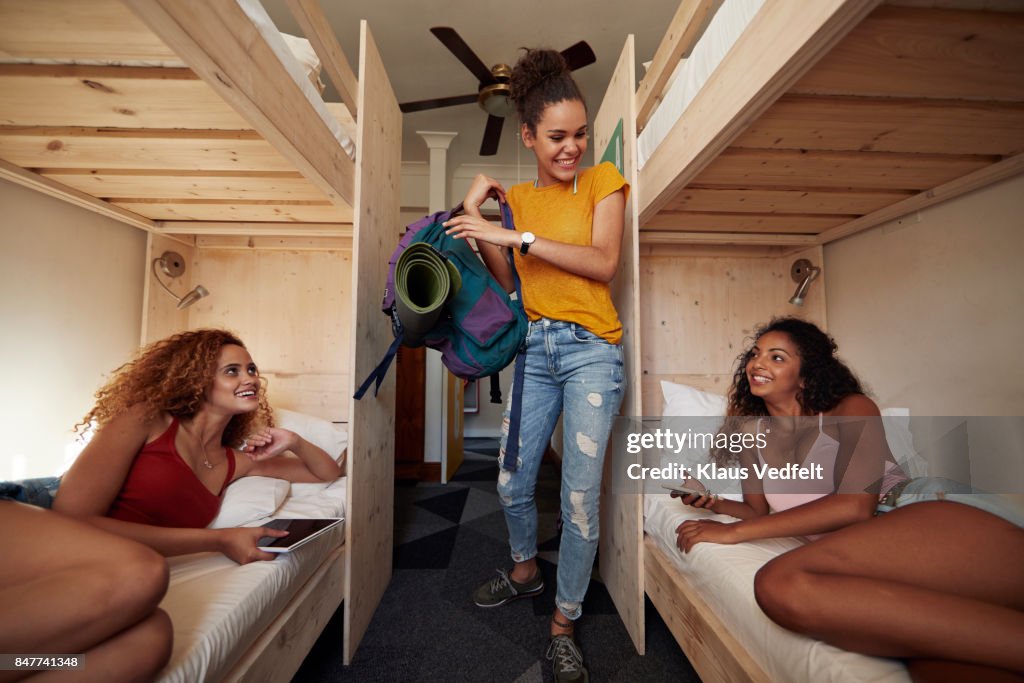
(300, 532)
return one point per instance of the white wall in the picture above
(930, 314)
(70, 312)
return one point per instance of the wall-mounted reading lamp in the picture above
(803, 273)
(173, 265)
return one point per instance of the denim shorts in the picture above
(38, 492)
(925, 489)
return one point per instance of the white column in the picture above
(436, 387)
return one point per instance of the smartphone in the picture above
(684, 490)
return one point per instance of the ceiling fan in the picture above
(493, 91)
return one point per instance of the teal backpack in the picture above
(440, 294)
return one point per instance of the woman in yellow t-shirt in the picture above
(566, 251)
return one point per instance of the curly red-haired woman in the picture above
(170, 427)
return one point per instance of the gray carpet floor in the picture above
(448, 540)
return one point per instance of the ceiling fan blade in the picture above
(458, 47)
(437, 103)
(579, 55)
(492, 136)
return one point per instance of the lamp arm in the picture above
(161, 282)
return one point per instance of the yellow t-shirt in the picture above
(556, 213)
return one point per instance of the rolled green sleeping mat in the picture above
(424, 282)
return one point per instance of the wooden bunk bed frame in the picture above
(227, 152)
(824, 120)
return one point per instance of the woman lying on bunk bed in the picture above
(911, 569)
(171, 425)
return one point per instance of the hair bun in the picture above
(535, 67)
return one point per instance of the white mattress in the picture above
(218, 608)
(724, 575)
(690, 75)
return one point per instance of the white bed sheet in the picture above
(691, 73)
(218, 608)
(724, 576)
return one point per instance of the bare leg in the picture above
(935, 580)
(935, 671)
(69, 588)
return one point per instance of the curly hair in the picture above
(172, 376)
(541, 77)
(826, 379)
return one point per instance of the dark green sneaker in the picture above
(566, 660)
(497, 592)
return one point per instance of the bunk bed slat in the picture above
(142, 149)
(62, 30)
(889, 125)
(753, 168)
(140, 184)
(236, 210)
(321, 36)
(809, 201)
(743, 222)
(680, 38)
(111, 97)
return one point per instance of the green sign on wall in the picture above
(613, 152)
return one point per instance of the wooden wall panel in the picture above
(368, 528)
(697, 313)
(160, 315)
(622, 514)
(293, 310)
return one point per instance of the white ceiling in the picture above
(420, 67)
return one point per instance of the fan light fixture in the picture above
(492, 90)
(495, 99)
(803, 273)
(173, 265)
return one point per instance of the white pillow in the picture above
(686, 401)
(249, 499)
(319, 432)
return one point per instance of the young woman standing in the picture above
(566, 250)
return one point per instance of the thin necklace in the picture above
(202, 450)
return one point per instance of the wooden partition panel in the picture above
(622, 515)
(699, 309)
(368, 529)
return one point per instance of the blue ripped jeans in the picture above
(572, 371)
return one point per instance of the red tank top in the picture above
(162, 490)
